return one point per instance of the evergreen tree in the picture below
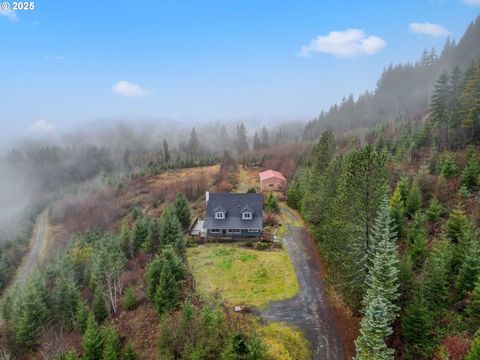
(265, 138)
(140, 233)
(416, 321)
(382, 265)
(193, 145)
(434, 211)
(125, 237)
(98, 305)
(81, 316)
(167, 294)
(439, 112)
(417, 241)
(67, 299)
(152, 243)
(92, 340)
(469, 269)
(129, 353)
(272, 204)
(397, 213)
(257, 143)
(241, 141)
(438, 268)
(111, 345)
(456, 224)
(473, 308)
(471, 173)
(374, 329)
(30, 312)
(414, 199)
(129, 299)
(404, 188)
(474, 353)
(294, 194)
(170, 226)
(166, 152)
(182, 210)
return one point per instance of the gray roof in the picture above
(234, 204)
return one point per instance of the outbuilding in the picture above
(271, 180)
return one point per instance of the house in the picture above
(271, 180)
(234, 216)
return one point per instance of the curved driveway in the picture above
(308, 310)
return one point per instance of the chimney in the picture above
(207, 196)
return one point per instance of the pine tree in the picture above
(417, 241)
(265, 138)
(153, 239)
(241, 140)
(272, 204)
(374, 329)
(182, 210)
(469, 269)
(383, 264)
(111, 345)
(257, 143)
(438, 268)
(140, 233)
(81, 316)
(68, 297)
(471, 173)
(129, 353)
(125, 237)
(294, 194)
(92, 340)
(193, 145)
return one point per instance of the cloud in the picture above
(35, 23)
(428, 29)
(9, 14)
(125, 88)
(42, 126)
(471, 2)
(348, 44)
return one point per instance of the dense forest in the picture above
(397, 219)
(402, 92)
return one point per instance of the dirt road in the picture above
(308, 310)
(31, 260)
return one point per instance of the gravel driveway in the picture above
(308, 310)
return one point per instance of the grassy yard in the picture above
(242, 276)
(285, 342)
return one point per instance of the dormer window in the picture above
(247, 215)
(219, 215)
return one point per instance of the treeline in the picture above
(92, 282)
(402, 92)
(426, 270)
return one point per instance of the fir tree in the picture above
(166, 152)
(129, 300)
(272, 204)
(92, 340)
(125, 238)
(167, 294)
(469, 269)
(397, 212)
(382, 265)
(434, 211)
(438, 268)
(241, 141)
(182, 210)
(456, 224)
(98, 305)
(473, 309)
(111, 345)
(416, 321)
(374, 329)
(140, 233)
(170, 226)
(439, 109)
(414, 200)
(81, 316)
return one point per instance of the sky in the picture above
(68, 64)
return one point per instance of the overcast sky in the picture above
(68, 63)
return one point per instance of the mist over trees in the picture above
(402, 92)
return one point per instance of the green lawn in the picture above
(242, 276)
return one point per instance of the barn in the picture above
(271, 180)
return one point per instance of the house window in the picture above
(215, 231)
(271, 185)
(219, 215)
(247, 215)
(234, 231)
(253, 230)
